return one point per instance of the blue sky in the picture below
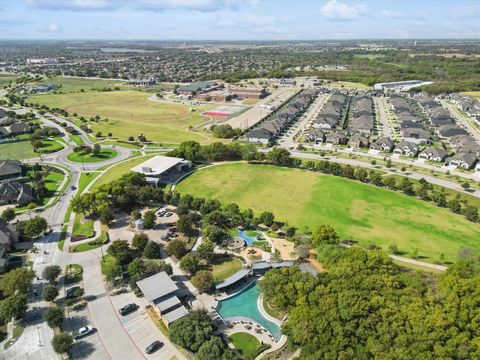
(238, 19)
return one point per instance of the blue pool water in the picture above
(244, 305)
(248, 239)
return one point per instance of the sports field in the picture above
(131, 113)
(74, 84)
(363, 212)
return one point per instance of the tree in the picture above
(266, 218)
(471, 213)
(120, 250)
(13, 307)
(136, 269)
(112, 272)
(192, 330)
(455, 205)
(96, 149)
(62, 342)
(466, 185)
(149, 219)
(185, 226)
(189, 263)
(406, 186)
(361, 174)
(152, 250)
(35, 227)
(302, 251)
(203, 281)
(106, 217)
(139, 241)
(135, 214)
(51, 272)
(8, 215)
(280, 156)
(325, 234)
(176, 248)
(215, 349)
(17, 281)
(50, 293)
(54, 316)
(205, 251)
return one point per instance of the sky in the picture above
(238, 19)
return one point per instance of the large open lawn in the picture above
(366, 213)
(246, 344)
(74, 84)
(17, 150)
(131, 113)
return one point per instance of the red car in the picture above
(172, 229)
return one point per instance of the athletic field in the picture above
(363, 212)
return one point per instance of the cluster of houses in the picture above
(9, 126)
(469, 105)
(13, 191)
(344, 119)
(276, 123)
(465, 147)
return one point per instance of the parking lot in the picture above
(141, 328)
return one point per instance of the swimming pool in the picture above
(244, 305)
(248, 239)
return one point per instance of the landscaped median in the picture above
(102, 155)
(93, 244)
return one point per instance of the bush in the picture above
(176, 248)
(62, 342)
(140, 241)
(149, 219)
(54, 316)
(203, 281)
(152, 250)
(50, 293)
(51, 272)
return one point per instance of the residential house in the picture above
(462, 160)
(336, 138)
(14, 192)
(383, 144)
(10, 169)
(8, 237)
(406, 148)
(434, 154)
(314, 135)
(416, 135)
(357, 141)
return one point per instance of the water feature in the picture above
(248, 239)
(244, 306)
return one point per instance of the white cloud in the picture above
(147, 5)
(334, 10)
(53, 27)
(469, 10)
(392, 14)
(251, 21)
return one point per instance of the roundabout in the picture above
(103, 155)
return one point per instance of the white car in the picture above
(83, 331)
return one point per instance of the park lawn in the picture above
(74, 84)
(349, 85)
(85, 179)
(17, 150)
(118, 170)
(262, 245)
(50, 146)
(77, 139)
(131, 113)
(81, 228)
(53, 180)
(5, 79)
(369, 56)
(93, 244)
(224, 267)
(363, 212)
(472, 93)
(104, 154)
(107, 262)
(246, 344)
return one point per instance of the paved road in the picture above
(410, 174)
(473, 131)
(383, 112)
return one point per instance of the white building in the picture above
(162, 169)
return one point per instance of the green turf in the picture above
(131, 113)
(246, 344)
(118, 170)
(366, 213)
(73, 84)
(85, 179)
(77, 139)
(103, 155)
(224, 267)
(50, 146)
(82, 228)
(5, 79)
(107, 262)
(17, 150)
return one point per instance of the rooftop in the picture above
(156, 286)
(176, 314)
(240, 274)
(157, 165)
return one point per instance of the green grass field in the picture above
(472, 93)
(366, 213)
(73, 84)
(222, 268)
(104, 154)
(82, 228)
(17, 150)
(85, 179)
(246, 344)
(5, 79)
(131, 113)
(118, 170)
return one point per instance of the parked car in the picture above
(83, 331)
(161, 212)
(73, 187)
(127, 309)
(168, 214)
(173, 229)
(157, 344)
(70, 293)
